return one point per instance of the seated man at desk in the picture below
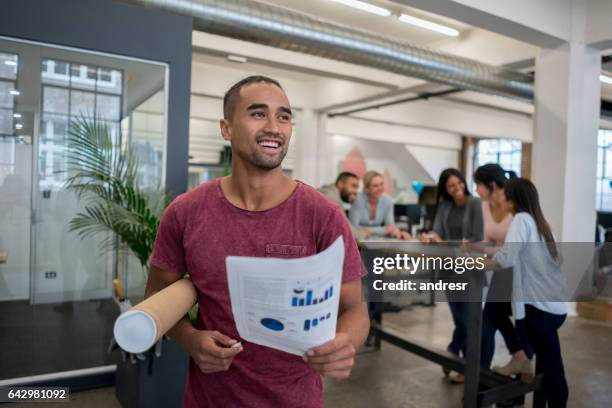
(342, 192)
(372, 210)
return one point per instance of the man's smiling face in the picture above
(259, 127)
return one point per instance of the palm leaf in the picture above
(105, 177)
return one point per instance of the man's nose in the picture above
(272, 126)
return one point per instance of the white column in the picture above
(567, 104)
(307, 148)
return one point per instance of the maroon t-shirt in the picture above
(197, 232)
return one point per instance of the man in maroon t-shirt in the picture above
(256, 211)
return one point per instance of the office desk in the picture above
(482, 387)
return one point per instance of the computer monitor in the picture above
(410, 213)
(414, 212)
(604, 219)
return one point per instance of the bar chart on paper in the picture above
(307, 297)
(312, 323)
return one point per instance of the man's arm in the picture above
(336, 358)
(210, 350)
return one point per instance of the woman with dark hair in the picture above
(538, 287)
(458, 218)
(490, 180)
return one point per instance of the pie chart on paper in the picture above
(272, 324)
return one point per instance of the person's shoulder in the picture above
(194, 196)
(386, 199)
(316, 198)
(444, 204)
(524, 222)
(326, 188)
(475, 201)
(523, 218)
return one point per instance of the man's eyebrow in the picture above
(257, 106)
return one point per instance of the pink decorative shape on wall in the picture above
(388, 182)
(355, 162)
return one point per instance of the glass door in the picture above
(72, 268)
(15, 187)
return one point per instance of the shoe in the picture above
(522, 368)
(458, 379)
(518, 401)
(447, 370)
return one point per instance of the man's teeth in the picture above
(268, 143)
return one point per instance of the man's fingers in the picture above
(329, 347)
(206, 358)
(346, 364)
(222, 339)
(338, 375)
(346, 352)
(206, 369)
(221, 352)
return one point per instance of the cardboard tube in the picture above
(139, 328)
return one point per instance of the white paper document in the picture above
(287, 304)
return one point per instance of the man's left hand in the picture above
(334, 359)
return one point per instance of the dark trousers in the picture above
(515, 338)
(459, 311)
(542, 332)
(487, 342)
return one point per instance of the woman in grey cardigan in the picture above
(372, 210)
(458, 218)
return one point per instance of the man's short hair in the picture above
(345, 175)
(231, 96)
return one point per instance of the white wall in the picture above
(431, 128)
(434, 160)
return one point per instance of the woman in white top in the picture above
(490, 180)
(538, 287)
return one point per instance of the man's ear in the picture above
(226, 130)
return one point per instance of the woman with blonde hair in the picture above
(372, 209)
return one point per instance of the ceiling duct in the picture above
(290, 30)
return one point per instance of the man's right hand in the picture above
(211, 350)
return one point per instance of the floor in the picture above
(41, 334)
(394, 378)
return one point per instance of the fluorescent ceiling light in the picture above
(17, 115)
(419, 22)
(10, 62)
(361, 5)
(605, 79)
(18, 126)
(14, 92)
(236, 58)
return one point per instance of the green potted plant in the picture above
(105, 176)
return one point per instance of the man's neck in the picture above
(256, 189)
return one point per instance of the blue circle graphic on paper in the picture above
(272, 324)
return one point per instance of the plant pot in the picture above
(156, 382)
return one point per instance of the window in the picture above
(67, 97)
(603, 190)
(8, 78)
(61, 68)
(505, 152)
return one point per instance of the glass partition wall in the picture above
(55, 288)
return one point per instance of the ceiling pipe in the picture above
(290, 30)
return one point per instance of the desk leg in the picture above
(539, 401)
(474, 326)
(377, 318)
